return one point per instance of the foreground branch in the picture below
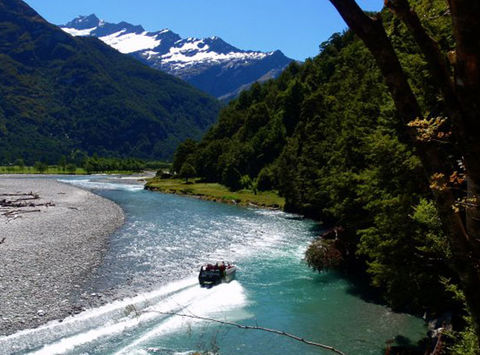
(430, 48)
(464, 238)
(241, 326)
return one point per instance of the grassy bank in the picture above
(217, 192)
(54, 170)
(50, 170)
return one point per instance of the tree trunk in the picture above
(466, 136)
(466, 26)
(465, 246)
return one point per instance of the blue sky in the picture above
(296, 27)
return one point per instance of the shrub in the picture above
(246, 182)
(187, 171)
(323, 254)
(265, 179)
(231, 178)
(71, 168)
(40, 167)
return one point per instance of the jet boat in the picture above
(214, 274)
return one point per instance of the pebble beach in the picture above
(48, 249)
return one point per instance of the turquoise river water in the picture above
(151, 267)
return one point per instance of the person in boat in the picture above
(221, 266)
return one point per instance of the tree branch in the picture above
(249, 327)
(372, 33)
(466, 15)
(437, 62)
(466, 25)
(439, 68)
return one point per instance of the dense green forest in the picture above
(59, 94)
(326, 135)
(83, 164)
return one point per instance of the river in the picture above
(152, 264)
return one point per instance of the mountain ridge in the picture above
(61, 94)
(210, 64)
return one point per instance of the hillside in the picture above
(326, 135)
(60, 94)
(210, 64)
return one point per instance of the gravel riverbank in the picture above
(48, 248)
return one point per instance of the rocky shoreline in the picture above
(52, 236)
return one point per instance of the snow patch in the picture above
(131, 42)
(75, 32)
(179, 59)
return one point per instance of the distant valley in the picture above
(210, 64)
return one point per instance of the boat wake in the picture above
(130, 323)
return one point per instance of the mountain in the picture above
(60, 94)
(210, 64)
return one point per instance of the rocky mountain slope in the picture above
(210, 64)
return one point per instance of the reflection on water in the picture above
(156, 255)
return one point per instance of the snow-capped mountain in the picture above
(210, 64)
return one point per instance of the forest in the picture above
(328, 136)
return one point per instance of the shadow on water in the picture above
(317, 228)
(403, 341)
(326, 278)
(359, 286)
(402, 345)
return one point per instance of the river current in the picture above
(152, 264)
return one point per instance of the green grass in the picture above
(217, 192)
(51, 170)
(54, 170)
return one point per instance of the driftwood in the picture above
(22, 194)
(19, 204)
(15, 204)
(249, 327)
(14, 212)
(21, 200)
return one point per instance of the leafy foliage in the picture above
(326, 135)
(41, 167)
(59, 94)
(187, 171)
(465, 341)
(323, 254)
(95, 164)
(184, 150)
